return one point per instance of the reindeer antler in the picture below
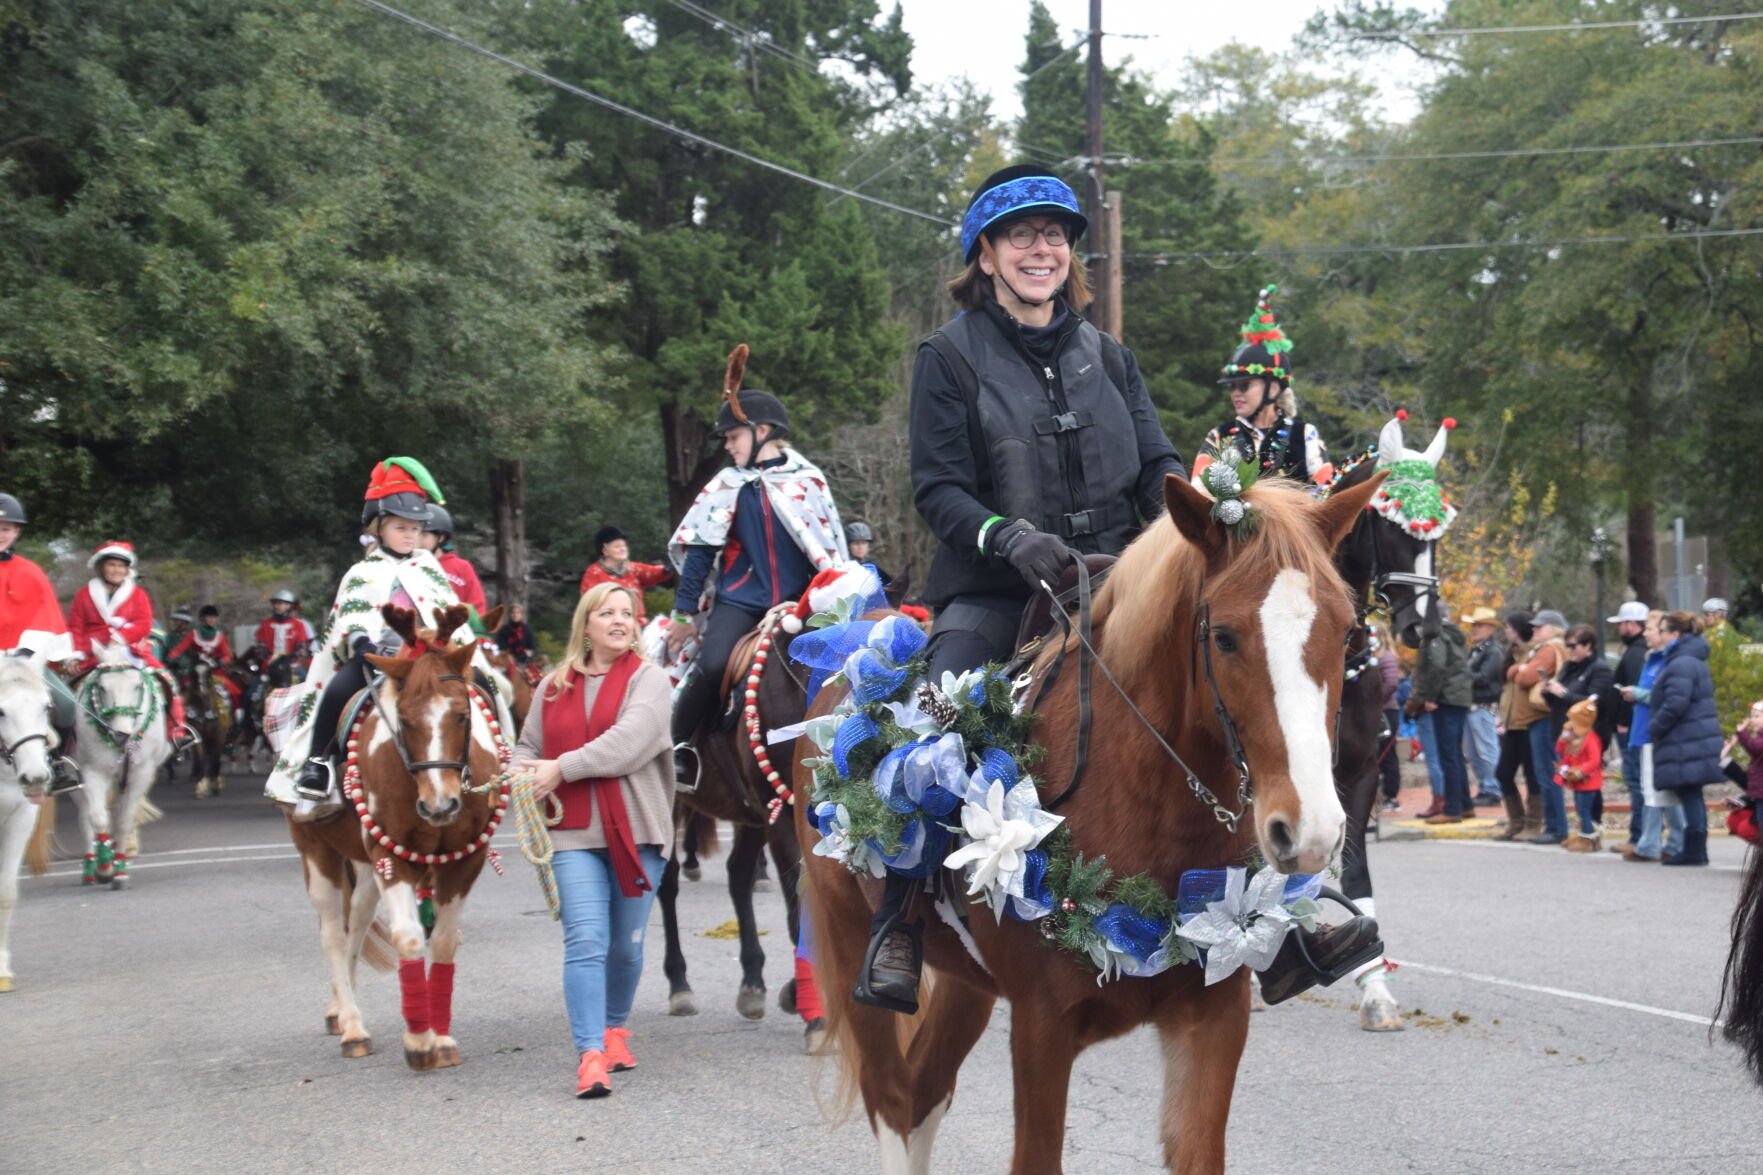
(450, 620)
(731, 380)
(402, 622)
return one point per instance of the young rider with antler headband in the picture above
(395, 570)
(771, 519)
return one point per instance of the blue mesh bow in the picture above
(898, 638)
(928, 776)
(858, 728)
(996, 763)
(890, 783)
(922, 848)
(871, 676)
(824, 650)
(1130, 931)
(1037, 895)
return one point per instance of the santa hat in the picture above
(402, 475)
(114, 549)
(827, 589)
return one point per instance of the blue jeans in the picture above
(1585, 806)
(602, 940)
(1481, 746)
(1429, 746)
(1542, 761)
(1644, 823)
(1447, 726)
(1695, 810)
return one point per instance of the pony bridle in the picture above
(9, 750)
(397, 729)
(102, 712)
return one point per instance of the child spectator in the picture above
(1579, 768)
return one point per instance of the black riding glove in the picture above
(1037, 556)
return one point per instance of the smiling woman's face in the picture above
(612, 627)
(1035, 271)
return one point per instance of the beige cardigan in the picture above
(638, 750)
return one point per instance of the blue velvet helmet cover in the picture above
(1016, 191)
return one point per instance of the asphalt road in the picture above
(1557, 1009)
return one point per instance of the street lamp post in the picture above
(1600, 554)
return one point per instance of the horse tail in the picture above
(1741, 985)
(36, 851)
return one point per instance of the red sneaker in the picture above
(591, 1077)
(618, 1050)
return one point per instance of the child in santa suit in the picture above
(31, 622)
(208, 640)
(115, 609)
(282, 633)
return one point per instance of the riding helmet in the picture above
(284, 596)
(857, 531)
(12, 510)
(759, 408)
(1266, 351)
(402, 488)
(439, 521)
(1027, 189)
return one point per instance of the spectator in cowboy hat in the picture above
(1481, 734)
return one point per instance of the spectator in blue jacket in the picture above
(1684, 728)
(1655, 815)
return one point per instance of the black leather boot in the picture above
(314, 781)
(892, 966)
(1322, 956)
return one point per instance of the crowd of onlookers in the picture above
(1532, 695)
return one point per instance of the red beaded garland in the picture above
(357, 795)
(755, 733)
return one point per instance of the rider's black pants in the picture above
(349, 680)
(721, 630)
(970, 641)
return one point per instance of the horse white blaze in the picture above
(1300, 702)
(437, 715)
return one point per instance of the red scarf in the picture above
(567, 728)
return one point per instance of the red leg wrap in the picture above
(441, 998)
(413, 979)
(808, 1005)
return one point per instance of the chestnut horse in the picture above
(426, 746)
(1278, 616)
(734, 787)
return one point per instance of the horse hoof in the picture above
(815, 1041)
(419, 1061)
(5, 983)
(332, 1025)
(786, 998)
(681, 1003)
(446, 1056)
(750, 1003)
(1380, 1016)
(692, 873)
(353, 1049)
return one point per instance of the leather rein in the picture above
(463, 767)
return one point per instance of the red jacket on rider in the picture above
(124, 615)
(27, 604)
(463, 576)
(285, 636)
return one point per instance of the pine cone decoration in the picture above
(932, 701)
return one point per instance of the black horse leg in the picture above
(679, 992)
(1358, 796)
(742, 862)
(690, 837)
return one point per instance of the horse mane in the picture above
(1156, 585)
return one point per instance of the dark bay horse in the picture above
(1386, 569)
(210, 711)
(425, 733)
(733, 786)
(1277, 618)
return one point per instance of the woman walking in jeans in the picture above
(597, 737)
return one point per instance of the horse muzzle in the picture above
(1306, 844)
(442, 812)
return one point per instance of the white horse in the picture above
(25, 741)
(122, 745)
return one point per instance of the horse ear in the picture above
(459, 660)
(492, 620)
(1191, 511)
(1340, 510)
(396, 668)
(401, 620)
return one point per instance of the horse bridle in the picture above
(463, 767)
(1423, 586)
(100, 714)
(9, 751)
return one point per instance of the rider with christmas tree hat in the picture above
(31, 622)
(755, 536)
(395, 570)
(1266, 430)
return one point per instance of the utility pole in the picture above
(1116, 305)
(1093, 133)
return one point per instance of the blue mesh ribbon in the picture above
(922, 848)
(898, 638)
(1201, 886)
(1027, 191)
(1037, 895)
(927, 776)
(890, 781)
(996, 763)
(872, 677)
(824, 650)
(1130, 931)
(858, 728)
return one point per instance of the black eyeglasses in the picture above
(1022, 235)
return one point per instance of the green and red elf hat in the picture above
(401, 487)
(1265, 352)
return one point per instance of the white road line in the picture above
(1563, 993)
(134, 865)
(1552, 850)
(281, 844)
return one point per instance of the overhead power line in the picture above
(1573, 27)
(723, 24)
(1423, 156)
(1439, 247)
(648, 119)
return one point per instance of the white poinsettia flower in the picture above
(955, 686)
(835, 842)
(1246, 928)
(1000, 829)
(909, 717)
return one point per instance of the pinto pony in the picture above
(26, 814)
(424, 756)
(1277, 615)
